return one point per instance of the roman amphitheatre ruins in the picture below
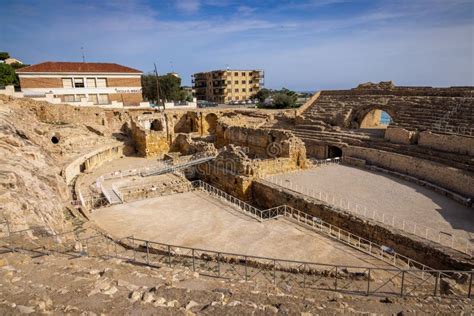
(321, 209)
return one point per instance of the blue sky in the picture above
(302, 45)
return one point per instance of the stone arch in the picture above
(211, 120)
(371, 117)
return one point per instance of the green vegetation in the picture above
(8, 76)
(168, 87)
(280, 99)
(4, 55)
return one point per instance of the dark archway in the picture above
(334, 152)
(156, 125)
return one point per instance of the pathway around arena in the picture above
(195, 219)
(386, 194)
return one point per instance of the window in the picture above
(243, 74)
(250, 89)
(78, 82)
(243, 90)
(236, 74)
(103, 99)
(250, 81)
(78, 97)
(244, 82)
(229, 82)
(67, 82)
(101, 82)
(236, 90)
(236, 81)
(93, 98)
(91, 83)
(237, 98)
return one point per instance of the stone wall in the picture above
(460, 181)
(400, 135)
(91, 160)
(267, 195)
(149, 143)
(264, 143)
(458, 144)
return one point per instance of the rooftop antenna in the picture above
(171, 64)
(83, 56)
(227, 66)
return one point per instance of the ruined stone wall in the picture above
(460, 181)
(264, 143)
(267, 195)
(149, 143)
(92, 160)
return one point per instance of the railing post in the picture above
(470, 285)
(304, 276)
(246, 275)
(436, 283)
(403, 283)
(147, 254)
(368, 282)
(218, 265)
(274, 272)
(335, 281)
(194, 267)
(169, 255)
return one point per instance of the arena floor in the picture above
(384, 194)
(196, 219)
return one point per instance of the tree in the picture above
(8, 75)
(283, 100)
(262, 94)
(4, 55)
(169, 88)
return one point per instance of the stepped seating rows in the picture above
(366, 140)
(411, 112)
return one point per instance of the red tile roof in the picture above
(71, 67)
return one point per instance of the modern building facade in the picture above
(223, 86)
(83, 83)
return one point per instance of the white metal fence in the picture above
(436, 235)
(382, 252)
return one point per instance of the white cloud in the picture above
(188, 6)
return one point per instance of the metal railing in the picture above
(289, 274)
(448, 239)
(381, 252)
(285, 274)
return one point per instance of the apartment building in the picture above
(223, 86)
(83, 83)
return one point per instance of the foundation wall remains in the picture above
(460, 181)
(92, 160)
(267, 195)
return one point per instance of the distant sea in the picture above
(385, 119)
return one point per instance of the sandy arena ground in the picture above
(196, 219)
(385, 194)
